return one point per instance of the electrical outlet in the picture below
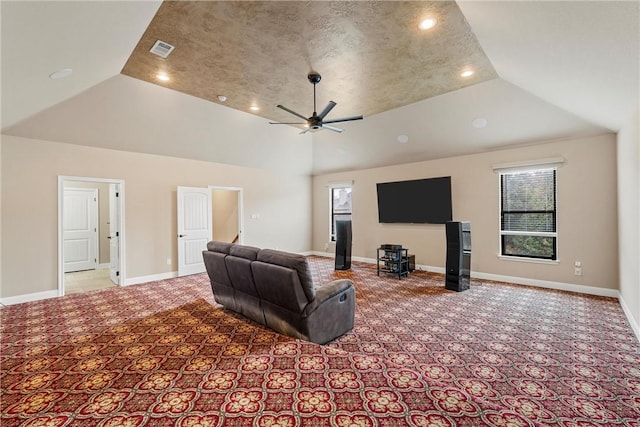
(577, 271)
(168, 261)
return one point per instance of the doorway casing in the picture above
(121, 245)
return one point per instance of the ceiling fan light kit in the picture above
(316, 121)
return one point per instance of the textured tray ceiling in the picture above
(371, 55)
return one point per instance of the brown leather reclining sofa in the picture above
(275, 289)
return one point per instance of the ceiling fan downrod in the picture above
(314, 78)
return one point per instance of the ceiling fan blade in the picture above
(335, 129)
(326, 110)
(287, 123)
(305, 130)
(344, 119)
(292, 112)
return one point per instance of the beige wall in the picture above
(30, 169)
(225, 214)
(0, 215)
(587, 211)
(103, 215)
(629, 215)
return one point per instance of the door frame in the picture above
(240, 208)
(114, 212)
(121, 245)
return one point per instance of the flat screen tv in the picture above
(420, 201)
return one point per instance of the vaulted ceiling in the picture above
(542, 71)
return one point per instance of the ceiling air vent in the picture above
(162, 49)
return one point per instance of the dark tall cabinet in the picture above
(458, 270)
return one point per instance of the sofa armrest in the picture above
(332, 312)
(326, 292)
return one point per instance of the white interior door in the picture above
(114, 233)
(80, 229)
(194, 228)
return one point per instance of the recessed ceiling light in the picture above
(479, 123)
(60, 74)
(467, 73)
(427, 23)
(254, 108)
(163, 76)
(403, 139)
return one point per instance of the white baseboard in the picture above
(104, 266)
(150, 278)
(19, 299)
(37, 296)
(627, 312)
(590, 290)
(547, 284)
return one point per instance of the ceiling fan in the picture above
(316, 121)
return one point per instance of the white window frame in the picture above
(331, 187)
(545, 164)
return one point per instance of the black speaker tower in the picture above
(457, 276)
(343, 245)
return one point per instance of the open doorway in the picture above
(90, 234)
(226, 206)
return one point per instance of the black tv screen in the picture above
(420, 201)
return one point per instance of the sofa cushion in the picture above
(247, 299)
(280, 286)
(240, 274)
(220, 281)
(222, 247)
(248, 252)
(296, 262)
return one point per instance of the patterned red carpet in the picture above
(164, 354)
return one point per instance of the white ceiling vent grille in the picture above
(162, 49)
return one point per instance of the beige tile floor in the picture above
(88, 280)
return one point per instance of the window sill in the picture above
(529, 260)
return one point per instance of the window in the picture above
(340, 207)
(528, 214)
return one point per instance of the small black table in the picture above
(393, 259)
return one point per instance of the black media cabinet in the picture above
(394, 259)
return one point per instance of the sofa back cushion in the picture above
(247, 300)
(216, 267)
(221, 247)
(242, 251)
(279, 286)
(220, 281)
(239, 268)
(295, 262)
